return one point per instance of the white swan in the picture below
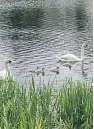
(71, 57)
(6, 72)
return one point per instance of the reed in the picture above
(74, 106)
(70, 108)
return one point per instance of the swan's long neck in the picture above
(82, 53)
(7, 69)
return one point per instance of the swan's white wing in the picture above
(69, 57)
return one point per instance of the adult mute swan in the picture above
(6, 72)
(72, 58)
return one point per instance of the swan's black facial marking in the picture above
(9, 61)
(86, 45)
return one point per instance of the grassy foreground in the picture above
(71, 107)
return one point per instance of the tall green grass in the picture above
(74, 106)
(70, 108)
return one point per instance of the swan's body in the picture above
(71, 57)
(6, 72)
(55, 70)
(3, 73)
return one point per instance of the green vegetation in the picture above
(71, 107)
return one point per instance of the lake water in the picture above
(34, 32)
